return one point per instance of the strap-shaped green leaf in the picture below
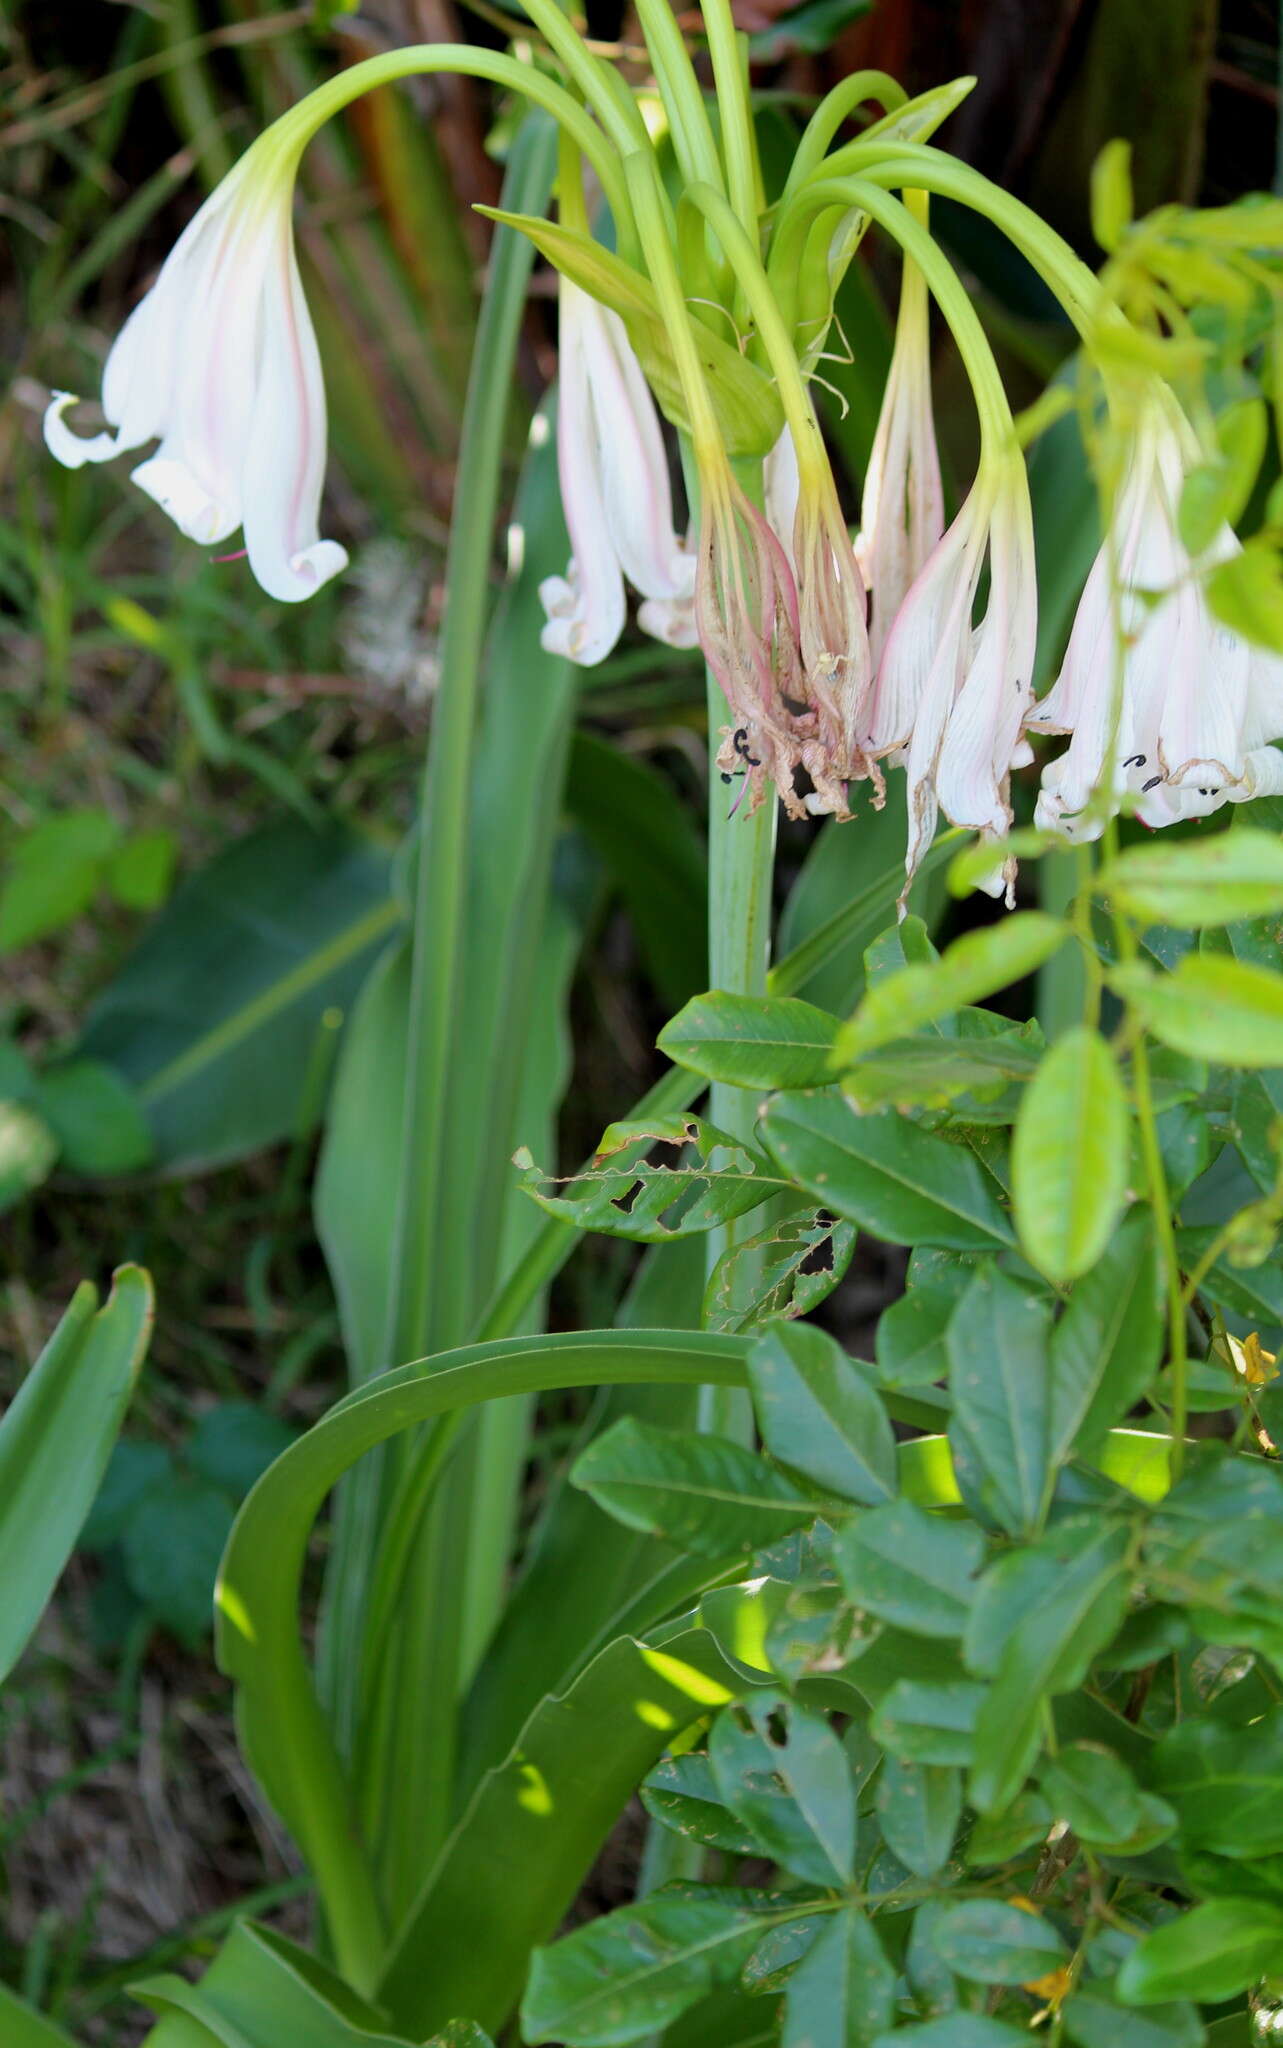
(55, 1440)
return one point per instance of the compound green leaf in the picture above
(819, 1412)
(884, 1173)
(752, 1041)
(999, 1428)
(1218, 1949)
(1070, 1156)
(628, 1193)
(990, 1942)
(919, 1807)
(1210, 1007)
(842, 1993)
(700, 1492)
(1197, 882)
(783, 1772)
(973, 967)
(911, 1569)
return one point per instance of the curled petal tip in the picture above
(74, 450)
(173, 487)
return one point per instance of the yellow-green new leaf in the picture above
(973, 967)
(1070, 1155)
(55, 1440)
(1210, 1007)
(1198, 882)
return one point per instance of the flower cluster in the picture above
(912, 644)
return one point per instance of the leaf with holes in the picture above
(781, 1272)
(627, 1192)
(782, 1771)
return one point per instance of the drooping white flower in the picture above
(902, 514)
(1160, 700)
(950, 700)
(219, 361)
(615, 494)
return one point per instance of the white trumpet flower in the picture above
(902, 514)
(1160, 699)
(219, 362)
(615, 494)
(950, 700)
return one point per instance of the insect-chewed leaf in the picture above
(780, 1272)
(974, 966)
(628, 1192)
(703, 1493)
(783, 1772)
(752, 1041)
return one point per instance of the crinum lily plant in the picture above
(833, 654)
(855, 631)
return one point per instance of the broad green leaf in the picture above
(990, 1942)
(910, 1568)
(22, 2027)
(1222, 1947)
(919, 1807)
(1216, 493)
(95, 1116)
(1196, 882)
(627, 1193)
(528, 1837)
(221, 1018)
(957, 2030)
(999, 1382)
(681, 1793)
(172, 1544)
(1107, 1345)
(1246, 594)
(53, 875)
(1094, 2019)
(1070, 1156)
(819, 1412)
(701, 1492)
(998, 1838)
(783, 1772)
(931, 1071)
(926, 1723)
(140, 872)
(642, 830)
(909, 1341)
(1048, 1651)
(1226, 1783)
(1095, 1793)
(887, 1175)
(1211, 1007)
(635, 1971)
(785, 1270)
(233, 1444)
(752, 1041)
(261, 1991)
(842, 1993)
(973, 967)
(28, 1151)
(55, 1440)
